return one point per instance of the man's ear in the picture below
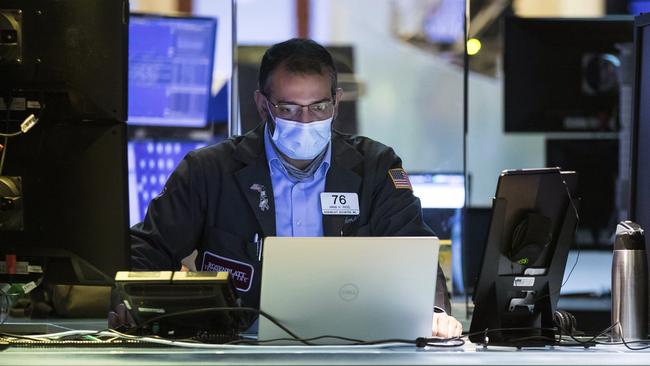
(260, 103)
(338, 96)
(337, 99)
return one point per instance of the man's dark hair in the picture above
(297, 55)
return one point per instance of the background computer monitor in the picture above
(596, 161)
(531, 230)
(442, 196)
(640, 187)
(151, 162)
(475, 228)
(561, 73)
(67, 175)
(439, 190)
(170, 70)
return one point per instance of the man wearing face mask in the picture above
(223, 198)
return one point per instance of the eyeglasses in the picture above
(290, 111)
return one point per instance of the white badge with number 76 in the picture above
(339, 203)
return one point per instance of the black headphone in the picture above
(565, 322)
(529, 239)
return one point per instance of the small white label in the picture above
(339, 203)
(34, 269)
(524, 281)
(22, 267)
(151, 310)
(33, 104)
(28, 287)
(28, 123)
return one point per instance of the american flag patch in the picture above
(400, 178)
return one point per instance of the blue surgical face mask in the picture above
(301, 141)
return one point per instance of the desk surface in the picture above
(302, 355)
(467, 355)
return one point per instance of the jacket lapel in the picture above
(255, 181)
(342, 176)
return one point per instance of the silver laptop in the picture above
(366, 288)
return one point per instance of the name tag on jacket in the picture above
(339, 203)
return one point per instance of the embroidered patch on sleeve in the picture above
(240, 272)
(400, 178)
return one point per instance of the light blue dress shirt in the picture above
(297, 203)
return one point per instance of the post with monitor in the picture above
(64, 216)
(533, 222)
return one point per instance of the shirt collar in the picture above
(275, 163)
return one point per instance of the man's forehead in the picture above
(299, 87)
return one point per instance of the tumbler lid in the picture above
(629, 235)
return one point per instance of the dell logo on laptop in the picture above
(349, 292)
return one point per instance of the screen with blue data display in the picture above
(637, 7)
(150, 165)
(170, 70)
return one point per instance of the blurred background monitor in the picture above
(63, 184)
(476, 222)
(561, 74)
(151, 162)
(638, 6)
(439, 190)
(442, 196)
(170, 70)
(596, 161)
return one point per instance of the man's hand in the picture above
(120, 317)
(445, 326)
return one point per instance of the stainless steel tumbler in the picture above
(629, 283)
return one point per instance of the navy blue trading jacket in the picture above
(213, 203)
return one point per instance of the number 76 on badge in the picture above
(339, 203)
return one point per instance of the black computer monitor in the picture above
(531, 230)
(475, 227)
(561, 74)
(66, 50)
(170, 70)
(63, 186)
(596, 161)
(640, 179)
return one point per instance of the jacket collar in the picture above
(250, 147)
